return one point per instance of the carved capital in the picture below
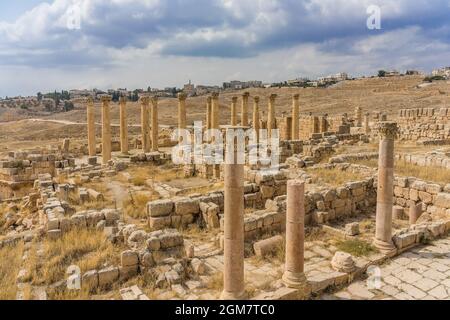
(234, 99)
(256, 99)
(182, 96)
(105, 98)
(387, 130)
(144, 100)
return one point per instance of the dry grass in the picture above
(402, 168)
(162, 173)
(215, 282)
(334, 177)
(87, 249)
(357, 248)
(138, 181)
(135, 205)
(10, 261)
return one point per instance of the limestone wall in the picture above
(424, 124)
(433, 159)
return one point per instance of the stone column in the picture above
(383, 232)
(106, 130)
(182, 110)
(415, 211)
(256, 124)
(244, 109)
(366, 123)
(145, 124)
(233, 111)
(271, 121)
(215, 111)
(208, 112)
(295, 116)
(123, 125)
(233, 275)
(155, 125)
(294, 276)
(91, 128)
(358, 117)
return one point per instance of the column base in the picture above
(384, 246)
(294, 280)
(226, 295)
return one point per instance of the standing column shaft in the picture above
(155, 123)
(233, 275)
(215, 111)
(294, 276)
(366, 123)
(208, 113)
(385, 190)
(271, 115)
(123, 126)
(358, 116)
(295, 116)
(256, 124)
(106, 130)
(233, 111)
(91, 128)
(145, 125)
(244, 109)
(182, 110)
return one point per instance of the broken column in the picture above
(271, 115)
(182, 110)
(294, 276)
(145, 126)
(244, 109)
(385, 190)
(123, 125)
(233, 275)
(233, 111)
(415, 211)
(295, 116)
(256, 124)
(106, 130)
(215, 110)
(154, 123)
(91, 128)
(358, 117)
(366, 123)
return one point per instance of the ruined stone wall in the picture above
(434, 159)
(424, 124)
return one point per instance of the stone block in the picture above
(187, 206)
(129, 258)
(160, 208)
(268, 246)
(108, 276)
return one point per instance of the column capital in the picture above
(273, 97)
(295, 96)
(123, 99)
(144, 100)
(234, 99)
(256, 99)
(387, 130)
(89, 100)
(182, 96)
(105, 98)
(245, 94)
(215, 95)
(154, 99)
(208, 99)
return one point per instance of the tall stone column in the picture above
(256, 124)
(106, 129)
(366, 123)
(295, 116)
(208, 112)
(182, 110)
(215, 111)
(383, 232)
(244, 109)
(271, 121)
(123, 125)
(233, 121)
(145, 124)
(155, 123)
(91, 128)
(294, 276)
(233, 275)
(358, 117)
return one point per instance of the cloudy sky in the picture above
(159, 43)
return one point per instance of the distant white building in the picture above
(443, 72)
(238, 85)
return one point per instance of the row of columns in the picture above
(294, 277)
(149, 136)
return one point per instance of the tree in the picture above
(381, 73)
(39, 96)
(68, 105)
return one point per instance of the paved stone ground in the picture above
(422, 273)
